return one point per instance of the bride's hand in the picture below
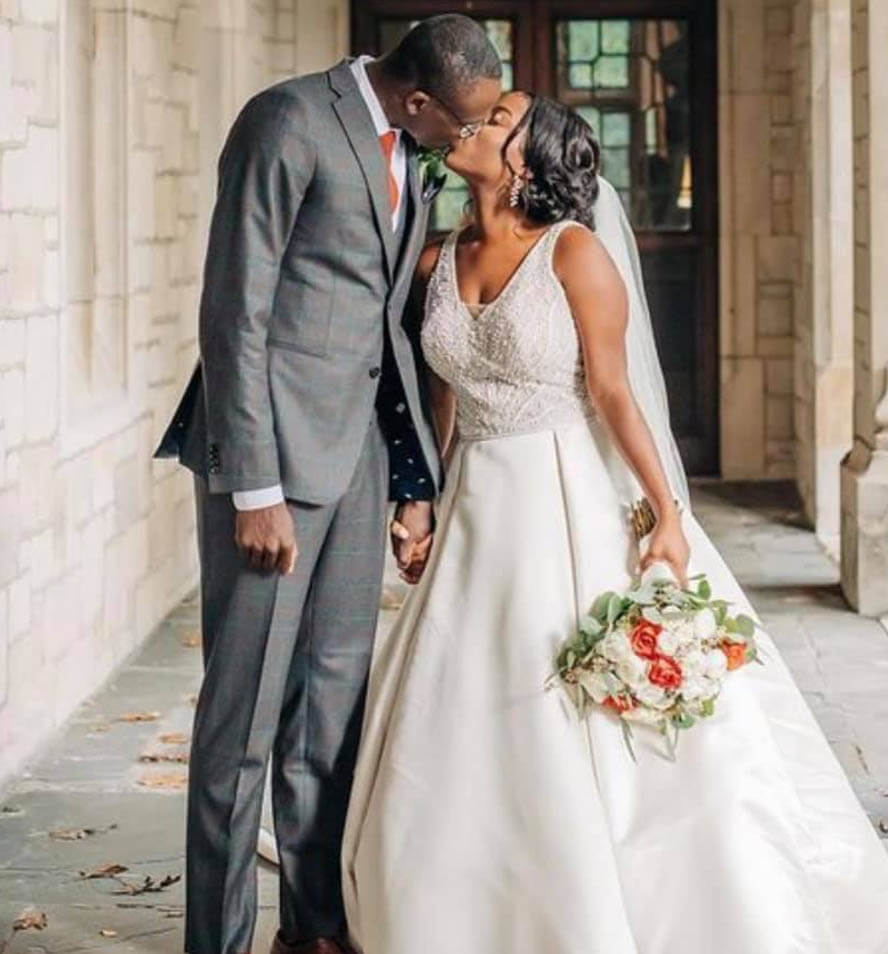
(668, 545)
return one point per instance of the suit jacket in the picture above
(301, 312)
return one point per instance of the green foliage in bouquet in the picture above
(641, 615)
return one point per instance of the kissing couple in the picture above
(501, 385)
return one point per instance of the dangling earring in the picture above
(515, 191)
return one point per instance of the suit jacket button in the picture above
(375, 372)
(215, 468)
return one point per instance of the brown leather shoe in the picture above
(321, 945)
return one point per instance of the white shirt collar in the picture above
(377, 113)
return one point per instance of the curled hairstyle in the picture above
(562, 157)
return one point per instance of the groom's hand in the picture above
(412, 533)
(267, 538)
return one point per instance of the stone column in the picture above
(864, 470)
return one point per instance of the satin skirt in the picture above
(487, 817)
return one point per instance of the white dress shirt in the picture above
(269, 496)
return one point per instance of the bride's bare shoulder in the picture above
(579, 254)
(428, 259)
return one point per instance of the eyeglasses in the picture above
(467, 128)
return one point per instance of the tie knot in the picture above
(387, 141)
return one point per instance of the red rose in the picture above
(643, 638)
(619, 703)
(665, 672)
(736, 653)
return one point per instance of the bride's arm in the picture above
(443, 402)
(597, 297)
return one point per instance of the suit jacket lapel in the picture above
(418, 217)
(355, 118)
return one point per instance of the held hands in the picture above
(412, 532)
(267, 538)
(668, 545)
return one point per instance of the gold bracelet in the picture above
(643, 518)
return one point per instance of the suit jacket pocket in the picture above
(302, 312)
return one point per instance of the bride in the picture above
(485, 816)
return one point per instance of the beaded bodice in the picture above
(515, 364)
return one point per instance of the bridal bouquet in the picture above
(656, 655)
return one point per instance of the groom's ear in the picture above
(416, 102)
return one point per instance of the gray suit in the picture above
(307, 378)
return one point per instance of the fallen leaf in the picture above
(148, 886)
(173, 780)
(77, 834)
(191, 639)
(109, 870)
(108, 932)
(139, 717)
(175, 738)
(179, 757)
(29, 919)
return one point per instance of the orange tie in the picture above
(387, 141)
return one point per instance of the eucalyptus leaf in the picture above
(704, 590)
(614, 606)
(745, 625)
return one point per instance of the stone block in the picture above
(752, 178)
(26, 266)
(12, 341)
(40, 11)
(30, 173)
(777, 258)
(10, 521)
(42, 378)
(778, 417)
(742, 417)
(775, 316)
(778, 376)
(12, 408)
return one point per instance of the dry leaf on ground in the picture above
(174, 738)
(109, 870)
(139, 717)
(148, 886)
(191, 639)
(171, 780)
(179, 757)
(30, 919)
(77, 834)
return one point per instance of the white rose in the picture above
(694, 688)
(716, 664)
(632, 670)
(595, 683)
(654, 696)
(616, 648)
(704, 624)
(668, 640)
(693, 664)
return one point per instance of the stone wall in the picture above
(759, 254)
(112, 113)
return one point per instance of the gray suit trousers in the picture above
(286, 661)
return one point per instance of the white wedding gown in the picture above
(486, 818)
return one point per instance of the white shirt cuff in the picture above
(257, 499)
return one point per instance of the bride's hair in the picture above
(562, 157)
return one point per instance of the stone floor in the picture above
(109, 790)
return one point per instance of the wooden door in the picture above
(643, 72)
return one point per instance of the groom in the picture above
(303, 416)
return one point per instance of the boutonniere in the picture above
(432, 173)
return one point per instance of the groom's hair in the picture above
(443, 54)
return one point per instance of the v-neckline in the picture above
(485, 306)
